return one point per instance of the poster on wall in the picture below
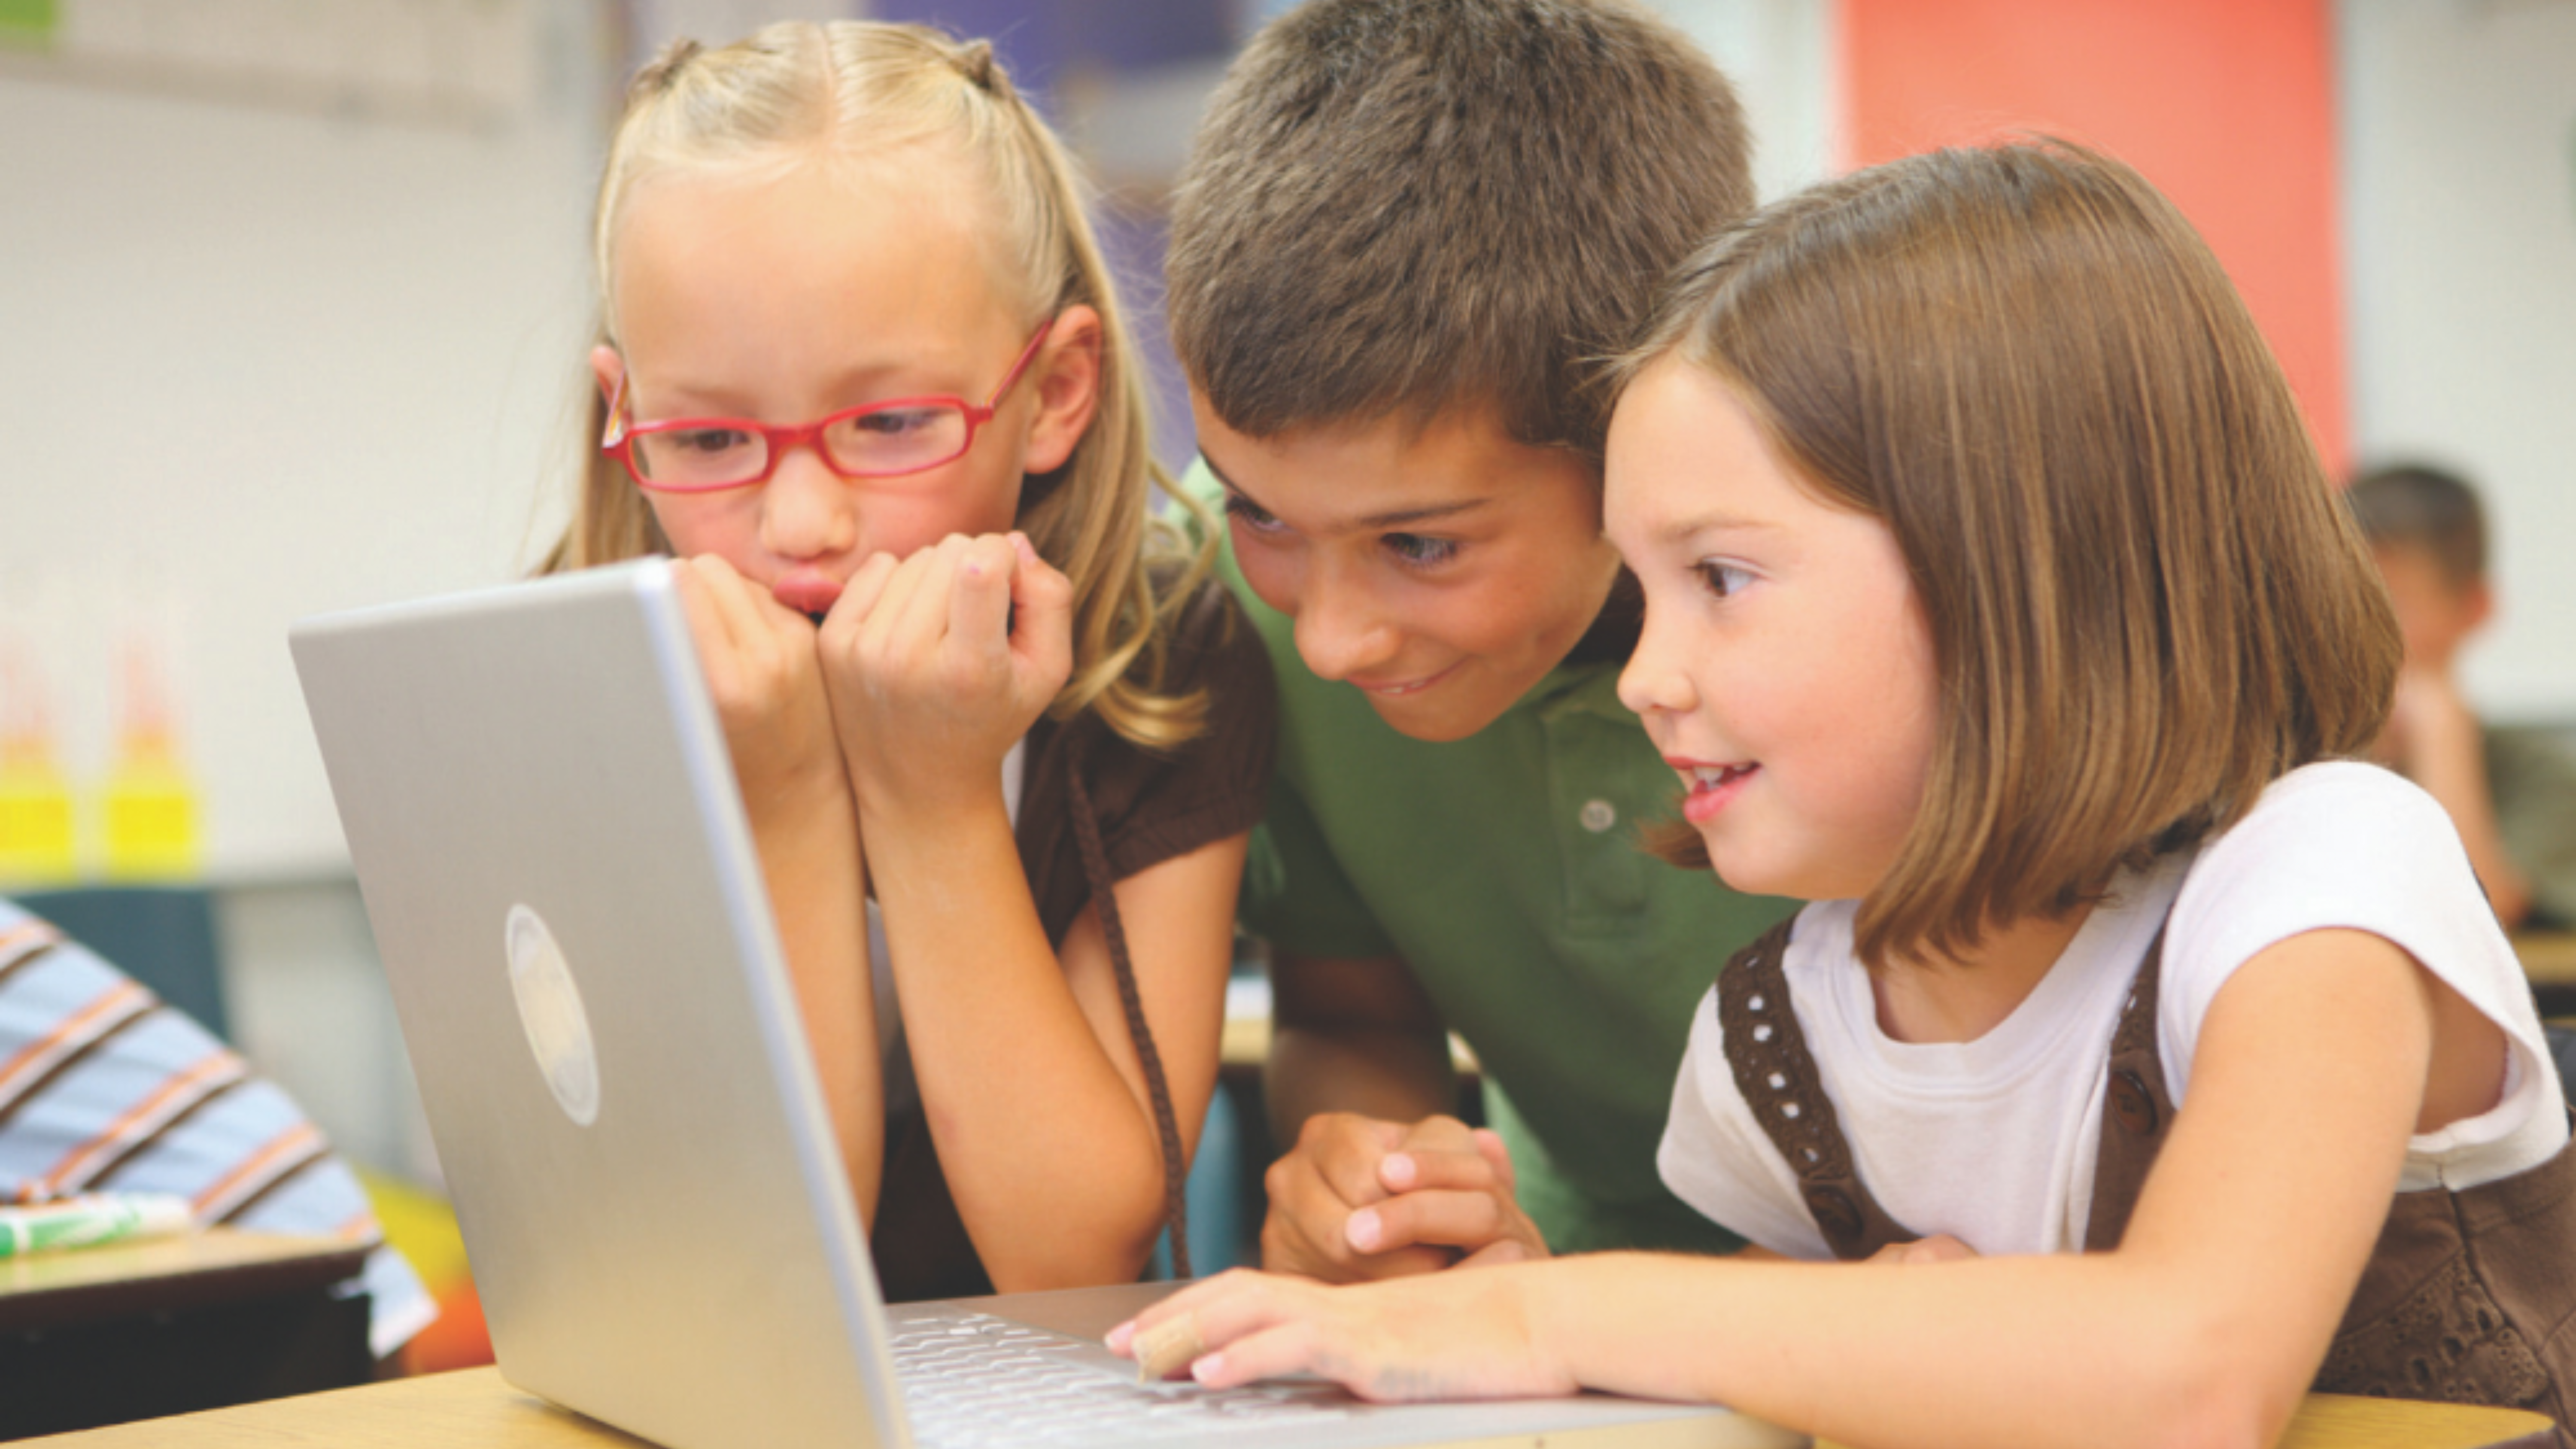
(454, 62)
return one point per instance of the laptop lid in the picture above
(541, 809)
(542, 813)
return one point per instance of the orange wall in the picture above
(2227, 105)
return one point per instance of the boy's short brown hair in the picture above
(2146, 603)
(2415, 505)
(1409, 206)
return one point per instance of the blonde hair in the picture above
(797, 90)
(2146, 602)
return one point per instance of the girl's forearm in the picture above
(2083, 1350)
(1051, 1156)
(816, 878)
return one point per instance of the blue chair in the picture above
(1225, 1221)
(162, 936)
(2560, 1034)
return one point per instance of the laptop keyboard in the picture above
(974, 1380)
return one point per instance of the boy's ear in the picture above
(1066, 374)
(2477, 605)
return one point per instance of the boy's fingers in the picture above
(1497, 1154)
(1461, 1220)
(1418, 1169)
(1346, 1149)
(1438, 1134)
(1306, 1231)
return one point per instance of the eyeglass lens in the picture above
(900, 439)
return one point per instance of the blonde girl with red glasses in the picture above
(1000, 740)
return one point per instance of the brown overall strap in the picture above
(1768, 1054)
(1167, 1132)
(2137, 1109)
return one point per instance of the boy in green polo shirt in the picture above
(1403, 228)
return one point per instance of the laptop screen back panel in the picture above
(645, 1233)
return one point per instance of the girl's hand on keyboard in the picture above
(1440, 1336)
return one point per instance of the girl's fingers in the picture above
(860, 596)
(981, 593)
(926, 580)
(1231, 1298)
(890, 620)
(1272, 1351)
(717, 591)
(698, 606)
(1042, 604)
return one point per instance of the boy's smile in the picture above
(1441, 568)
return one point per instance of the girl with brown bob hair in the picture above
(1000, 738)
(1997, 605)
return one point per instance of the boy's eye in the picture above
(1721, 579)
(1252, 515)
(1420, 550)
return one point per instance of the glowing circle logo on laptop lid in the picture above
(550, 1012)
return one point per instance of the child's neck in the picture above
(1945, 999)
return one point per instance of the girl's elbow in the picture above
(1116, 1249)
(2209, 1396)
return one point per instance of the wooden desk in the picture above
(104, 1335)
(475, 1407)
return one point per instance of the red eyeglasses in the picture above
(881, 440)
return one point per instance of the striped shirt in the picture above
(103, 1088)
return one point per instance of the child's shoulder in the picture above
(2339, 845)
(2339, 821)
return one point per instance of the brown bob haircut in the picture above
(2146, 602)
(1410, 206)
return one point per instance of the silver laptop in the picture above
(555, 861)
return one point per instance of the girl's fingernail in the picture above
(1363, 1230)
(1208, 1368)
(1117, 1337)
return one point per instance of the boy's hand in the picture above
(2429, 725)
(938, 664)
(758, 656)
(1361, 1199)
(1938, 1248)
(1453, 1336)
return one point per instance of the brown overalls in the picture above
(2469, 1296)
